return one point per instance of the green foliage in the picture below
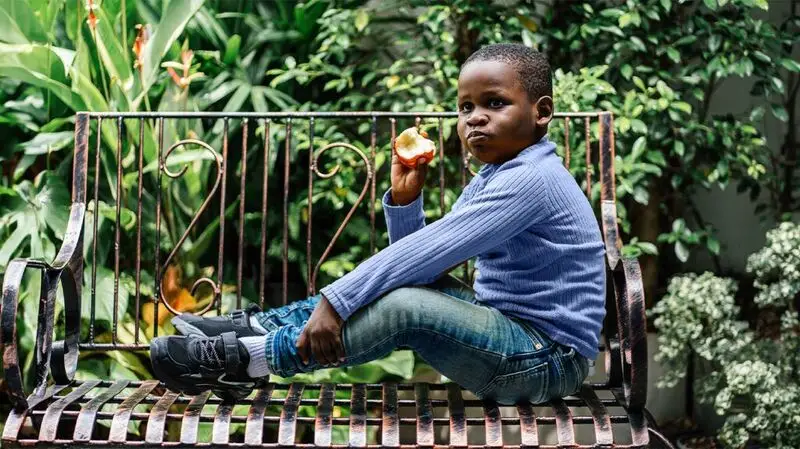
(667, 60)
(754, 378)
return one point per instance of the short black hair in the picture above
(531, 66)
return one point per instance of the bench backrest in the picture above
(215, 187)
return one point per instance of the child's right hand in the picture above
(407, 182)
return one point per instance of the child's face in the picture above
(496, 118)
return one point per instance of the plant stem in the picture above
(125, 33)
(707, 97)
(700, 222)
(789, 146)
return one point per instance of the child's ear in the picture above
(544, 111)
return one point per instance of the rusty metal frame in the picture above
(624, 333)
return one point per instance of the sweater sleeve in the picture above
(513, 200)
(403, 220)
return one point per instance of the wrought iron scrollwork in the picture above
(175, 175)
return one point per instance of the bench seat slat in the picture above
(322, 424)
(529, 430)
(458, 426)
(288, 425)
(17, 417)
(191, 418)
(564, 425)
(358, 416)
(220, 432)
(84, 425)
(494, 426)
(49, 427)
(254, 430)
(602, 423)
(158, 418)
(119, 425)
(390, 431)
(424, 415)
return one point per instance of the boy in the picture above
(526, 331)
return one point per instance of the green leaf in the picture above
(657, 158)
(626, 71)
(674, 54)
(790, 64)
(761, 56)
(681, 251)
(362, 19)
(173, 21)
(132, 364)
(666, 4)
(45, 143)
(711, 4)
(682, 106)
(777, 84)
(679, 148)
(232, 49)
(648, 248)
(112, 52)
(780, 112)
(104, 299)
(639, 148)
(713, 245)
(19, 24)
(678, 225)
(625, 20)
(29, 63)
(639, 83)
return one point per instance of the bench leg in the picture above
(662, 440)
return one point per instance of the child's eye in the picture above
(465, 107)
(496, 103)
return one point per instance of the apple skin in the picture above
(414, 148)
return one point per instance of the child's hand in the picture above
(407, 182)
(321, 337)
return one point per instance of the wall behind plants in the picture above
(740, 230)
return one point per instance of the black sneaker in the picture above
(237, 321)
(193, 364)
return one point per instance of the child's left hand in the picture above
(322, 336)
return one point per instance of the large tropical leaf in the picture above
(173, 21)
(19, 24)
(41, 66)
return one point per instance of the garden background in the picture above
(704, 94)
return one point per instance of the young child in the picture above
(526, 331)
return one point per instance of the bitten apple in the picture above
(414, 148)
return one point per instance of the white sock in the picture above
(256, 347)
(256, 325)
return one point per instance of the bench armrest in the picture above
(61, 356)
(627, 341)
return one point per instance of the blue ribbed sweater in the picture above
(540, 255)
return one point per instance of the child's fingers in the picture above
(328, 353)
(302, 347)
(339, 349)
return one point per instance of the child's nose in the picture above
(477, 118)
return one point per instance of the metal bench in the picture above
(62, 411)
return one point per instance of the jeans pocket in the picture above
(528, 385)
(576, 368)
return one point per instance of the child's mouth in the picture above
(476, 137)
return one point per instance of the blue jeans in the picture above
(494, 356)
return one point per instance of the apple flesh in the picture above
(414, 148)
